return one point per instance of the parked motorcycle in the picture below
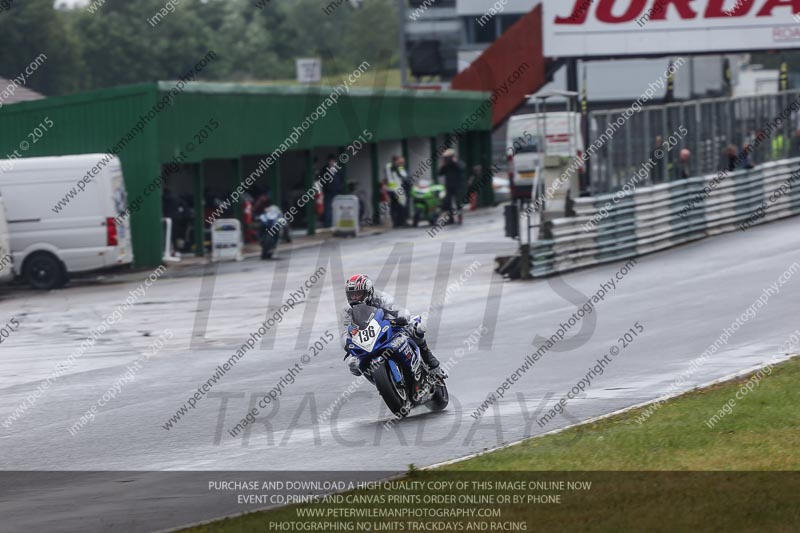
(393, 362)
(270, 232)
(427, 202)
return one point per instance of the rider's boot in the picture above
(430, 359)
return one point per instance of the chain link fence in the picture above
(713, 125)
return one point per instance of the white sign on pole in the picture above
(345, 215)
(309, 70)
(583, 28)
(226, 240)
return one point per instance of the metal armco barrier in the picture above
(713, 124)
(655, 218)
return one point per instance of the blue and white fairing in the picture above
(372, 335)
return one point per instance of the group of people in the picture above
(398, 186)
(396, 189)
(733, 157)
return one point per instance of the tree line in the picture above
(115, 42)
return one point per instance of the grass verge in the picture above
(673, 471)
(762, 432)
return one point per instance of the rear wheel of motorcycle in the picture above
(440, 399)
(394, 394)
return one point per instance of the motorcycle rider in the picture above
(271, 228)
(360, 290)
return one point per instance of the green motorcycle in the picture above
(427, 202)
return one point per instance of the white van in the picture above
(6, 262)
(61, 216)
(524, 136)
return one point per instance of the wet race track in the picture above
(167, 349)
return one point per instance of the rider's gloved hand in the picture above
(400, 321)
(353, 364)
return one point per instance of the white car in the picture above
(6, 262)
(64, 216)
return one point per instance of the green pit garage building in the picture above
(211, 137)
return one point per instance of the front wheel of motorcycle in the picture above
(440, 398)
(394, 394)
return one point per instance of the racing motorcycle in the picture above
(393, 362)
(270, 232)
(427, 202)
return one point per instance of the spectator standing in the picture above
(683, 169)
(175, 208)
(732, 158)
(331, 187)
(746, 161)
(395, 177)
(796, 139)
(778, 145)
(405, 194)
(454, 178)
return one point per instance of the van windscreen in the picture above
(526, 148)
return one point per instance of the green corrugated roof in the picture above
(254, 120)
(322, 90)
(236, 88)
(90, 96)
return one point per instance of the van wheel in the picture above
(43, 271)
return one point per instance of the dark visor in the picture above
(356, 296)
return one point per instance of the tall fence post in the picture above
(699, 155)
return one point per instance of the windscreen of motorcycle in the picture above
(366, 331)
(363, 314)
